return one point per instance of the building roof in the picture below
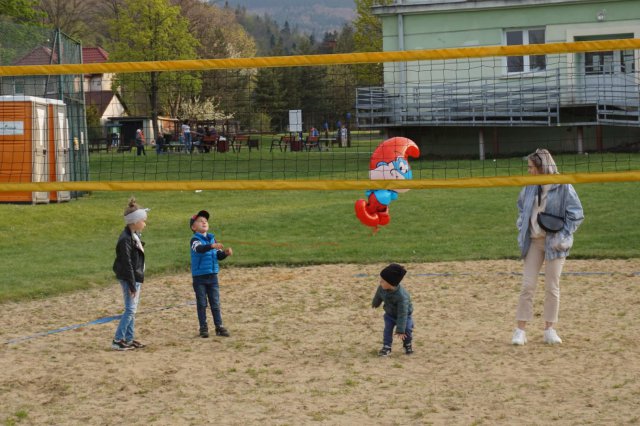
(41, 55)
(94, 55)
(100, 100)
(429, 6)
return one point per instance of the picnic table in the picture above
(238, 141)
(329, 142)
(98, 145)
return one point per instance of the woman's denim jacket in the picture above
(559, 243)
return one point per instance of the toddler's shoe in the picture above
(221, 331)
(408, 349)
(385, 351)
(519, 337)
(551, 337)
(204, 333)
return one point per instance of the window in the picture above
(18, 86)
(602, 63)
(530, 62)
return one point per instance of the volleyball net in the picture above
(313, 122)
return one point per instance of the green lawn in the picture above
(337, 163)
(48, 249)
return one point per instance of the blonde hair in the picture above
(543, 161)
(132, 206)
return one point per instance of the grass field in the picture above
(296, 297)
(49, 249)
(337, 163)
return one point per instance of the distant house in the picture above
(40, 86)
(501, 105)
(98, 88)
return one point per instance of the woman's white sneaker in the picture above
(551, 337)
(519, 337)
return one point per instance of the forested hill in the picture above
(309, 16)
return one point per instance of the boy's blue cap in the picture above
(201, 213)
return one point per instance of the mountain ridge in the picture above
(309, 16)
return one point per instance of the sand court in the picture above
(304, 344)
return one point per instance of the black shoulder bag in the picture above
(550, 222)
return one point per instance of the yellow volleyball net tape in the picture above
(99, 163)
(316, 60)
(322, 185)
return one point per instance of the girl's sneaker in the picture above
(408, 349)
(136, 345)
(120, 345)
(385, 351)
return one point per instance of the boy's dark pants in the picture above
(389, 325)
(206, 287)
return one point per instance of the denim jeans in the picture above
(206, 287)
(126, 328)
(389, 325)
(187, 141)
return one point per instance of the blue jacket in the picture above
(556, 244)
(204, 259)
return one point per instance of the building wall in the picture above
(425, 28)
(463, 142)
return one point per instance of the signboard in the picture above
(11, 128)
(295, 120)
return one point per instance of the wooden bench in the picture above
(312, 142)
(285, 142)
(246, 140)
(208, 143)
(98, 145)
(127, 147)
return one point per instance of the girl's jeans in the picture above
(206, 287)
(389, 325)
(552, 269)
(126, 328)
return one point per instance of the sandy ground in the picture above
(304, 347)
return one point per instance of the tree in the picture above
(21, 11)
(73, 17)
(368, 38)
(153, 30)
(221, 36)
(269, 97)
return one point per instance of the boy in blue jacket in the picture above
(397, 308)
(205, 254)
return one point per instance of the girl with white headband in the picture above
(129, 268)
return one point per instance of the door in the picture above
(62, 150)
(39, 170)
(607, 77)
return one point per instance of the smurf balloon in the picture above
(390, 160)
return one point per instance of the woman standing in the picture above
(539, 246)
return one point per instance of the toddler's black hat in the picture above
(393, 274)
(201, 213)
